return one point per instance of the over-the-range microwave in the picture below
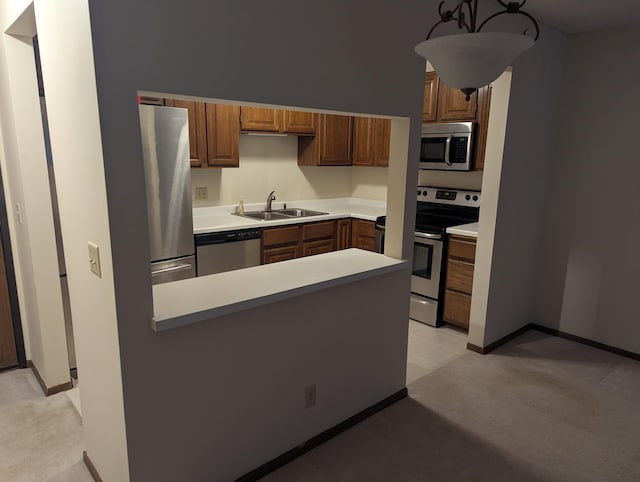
(447, 146)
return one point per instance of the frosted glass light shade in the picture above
(473, 60)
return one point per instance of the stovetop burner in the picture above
(440, 208)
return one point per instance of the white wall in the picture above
(27, 185)
(271, 163)
(68, 73)
(588, 282)
(523, 188)
(199, 384)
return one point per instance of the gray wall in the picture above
(522, 204)
(588, 284)
(211, 401)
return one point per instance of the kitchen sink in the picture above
(264, 215)
(299, 213)
(280, 214)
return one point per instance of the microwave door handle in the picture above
(447, 149)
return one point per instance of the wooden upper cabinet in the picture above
(332, 144)
(381, 141)
(430, 102)
(295, 122)
(362, 141)
(484, 100)
(197, 129)
(258, 119)
(335, 140)
(371, 139)
(453, 106)
(223, 135)
(442, 103)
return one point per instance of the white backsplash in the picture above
(271, 163)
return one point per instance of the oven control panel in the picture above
(455, 197)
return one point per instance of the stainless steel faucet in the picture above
(270, 199)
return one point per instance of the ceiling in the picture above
(574, 16)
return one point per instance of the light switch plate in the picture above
(94, 259)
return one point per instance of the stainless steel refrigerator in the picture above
(165, 149)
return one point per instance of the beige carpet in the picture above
(40, 437)
(539, 409)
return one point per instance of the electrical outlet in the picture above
(201, 194)
(310, 396)
(94, 259)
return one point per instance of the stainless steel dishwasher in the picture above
(227, 251)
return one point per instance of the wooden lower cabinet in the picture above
(308, 239)
(309, 248)
(459, 281)
(343, 234)
(457, 308)
(362, 234)
(280, 253)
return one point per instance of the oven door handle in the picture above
(447, 149)
(428, 235)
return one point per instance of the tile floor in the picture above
(430, 348)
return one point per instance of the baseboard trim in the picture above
(586, 341)
(321, 438)
(48, 391)
(498, 343)
(90, 467)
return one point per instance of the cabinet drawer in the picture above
(318, 230)
(459, 276)
(275, 236)
(457, 308)
(462, 248)
(309, 248)
(274, 255)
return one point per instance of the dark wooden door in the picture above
(8, 352)
(260, 119)
(223, 135)
(381, 141)
(335, 140)
(295, 122)
(363, 141)
(197, 129)
(453, 105)
(430, 101)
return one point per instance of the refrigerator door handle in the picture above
(170, 269)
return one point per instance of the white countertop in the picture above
(470, 230)
(221, 218)
(193, 300)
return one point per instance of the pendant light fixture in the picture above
(473, 59)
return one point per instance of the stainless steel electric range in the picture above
(437, 209)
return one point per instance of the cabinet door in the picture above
(452, 104)
(282, 253)
(223, 132)
(484, 101)
(363, 134)
(381, 141)
(343, 233)
(362, 234)
(295, 122)
(335, 140)
(197, 129)
(309, 248)
(430, 102)
(260, 119)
